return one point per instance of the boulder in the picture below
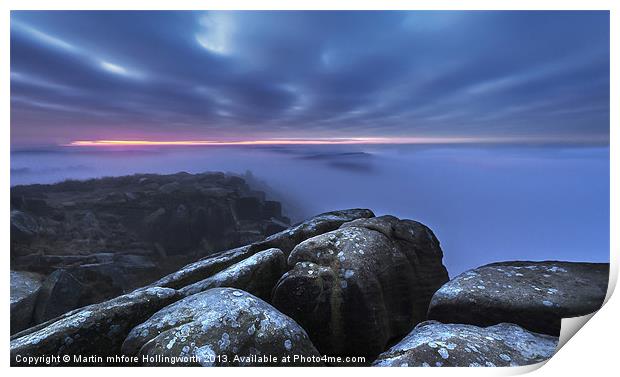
(257, 275)
(169, 188)
(25, 287)
(360, 287)
(95, 330)
(113, 274)
(60, 293)
(155, 223)
(287, 239)
(24, 227)
(177, 237)
(272, 209)
(534, 295)
(205, 267)
(37, 206)
(284, 240)
(199, 222)
(172, 229)
(221, 326)
(274, 226)
(248, 208)
(436, 344)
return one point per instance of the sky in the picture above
(247, 76)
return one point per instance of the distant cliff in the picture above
(109, 236)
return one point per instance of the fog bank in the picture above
(484, 203)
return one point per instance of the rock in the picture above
(257, 194)
(155, 222)
(204, 268)
(233, 181)
(177, 237)
(173, 231)
(534, 295)
(96, 330)
(216, 325)
(114, 198)
(433, 343)
(219, 221)
(284, 241)
(257, 275)
(60, 293)
(37, 206)
(144, 181)
(287, 239)
(199, 222)
(274, 226)
(24, 227)
(25, 288)
(172, 219)
(152, 186)
(248, 208)
(113, 274)
(272, 209)
(357, 288)
(216, 192)
(101, 275)
(169, 188)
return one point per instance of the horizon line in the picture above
(329, 141)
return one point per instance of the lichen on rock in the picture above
(534, 295)
(357, 288)
(220, 326)
(458, 345)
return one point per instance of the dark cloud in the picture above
(244, 75)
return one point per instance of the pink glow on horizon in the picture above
(331, 141)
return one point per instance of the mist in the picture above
(484, 203)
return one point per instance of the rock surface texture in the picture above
(59, 294)
(359, 287)
(223, 327)
(343, 283)
(113, 235)
(99, 329)
(436, 344)
(284, 240)
(534, 295)
(256, 275)
(25, 287)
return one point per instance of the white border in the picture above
(594, 350)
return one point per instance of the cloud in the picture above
(265, 74)
(215, 34)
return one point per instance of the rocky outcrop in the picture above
(347, 282)
(99, 329)
(96, 330)
(534, 295)
(180, 214)
(59, 294)
(221, 326)
(284, 240)
(205, 267)
(114, 235)
(436, 344)
(93, 278)
(287, 239)
(359, 287)
(257, 275)
(25, 287)
(24, 228)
